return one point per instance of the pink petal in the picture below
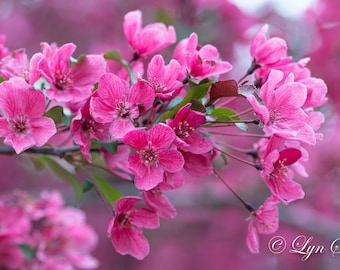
(42, 130)
(152, 177)
(126, 203)
(171, 160)
(137, 139)
(89, 70)
(136, 165)
(144, 218)
(197, 144)
(157, 201)
(61, 59)
(120, 128)
(19, 142)
(130, 241)
(132, 24)
(161, 136)
(258, 40)
(252, 238)
(141, 95)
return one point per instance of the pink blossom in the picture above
(23, 124)
(149, 39)
(3, 49)
(186, 126)
(198, 164)
(115, 103)
(153, 155)
(156, 200)
(67, 240)
(125, 227)
(280, 109)
(316, 92)
(49, 203)
(14, 227)
(265, 220)
(199, 62)
(84, 128)
(277, 176)
(14, 65)
(163, 78)
(69, 82)
(268, 51)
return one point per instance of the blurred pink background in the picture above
(210, 229)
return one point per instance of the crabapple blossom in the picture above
(125, 231)
(199, 62)
(56, 237)
(14, 65)
(3, 49)
(163, 78)
(84, 127)
(277, 176)
(14, 226)
(264, 220)
(119, 105)
(69, 82)
(148, 39)
(156, 200)
(154, 155)
(66, 240)
(23, 124)
(186, 125)
(267, 52)
(280, 109)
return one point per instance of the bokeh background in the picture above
(210, 229)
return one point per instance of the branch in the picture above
(60, 152)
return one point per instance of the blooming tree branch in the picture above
(150, 128)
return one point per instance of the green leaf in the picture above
(66, 117)
(242, 126)
(197, 105)
(88, 185)
(224, 114)
(28, 251)
(196, 91)
(37, 162)
(2, 79)
(109, 192)
(65, 175)
(56, 114)
(114, 55)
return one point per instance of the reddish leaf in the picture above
(221, 89)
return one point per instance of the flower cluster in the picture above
(150, 127)
(42, 233)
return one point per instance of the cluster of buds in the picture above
(148, 122)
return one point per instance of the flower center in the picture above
(124, 220)
(61, 80)
(275, 116)
(183, 129)
(122, 108)
(149, 154)
(157, 86)
(280, 171)
(19, 124)
(87, 125)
